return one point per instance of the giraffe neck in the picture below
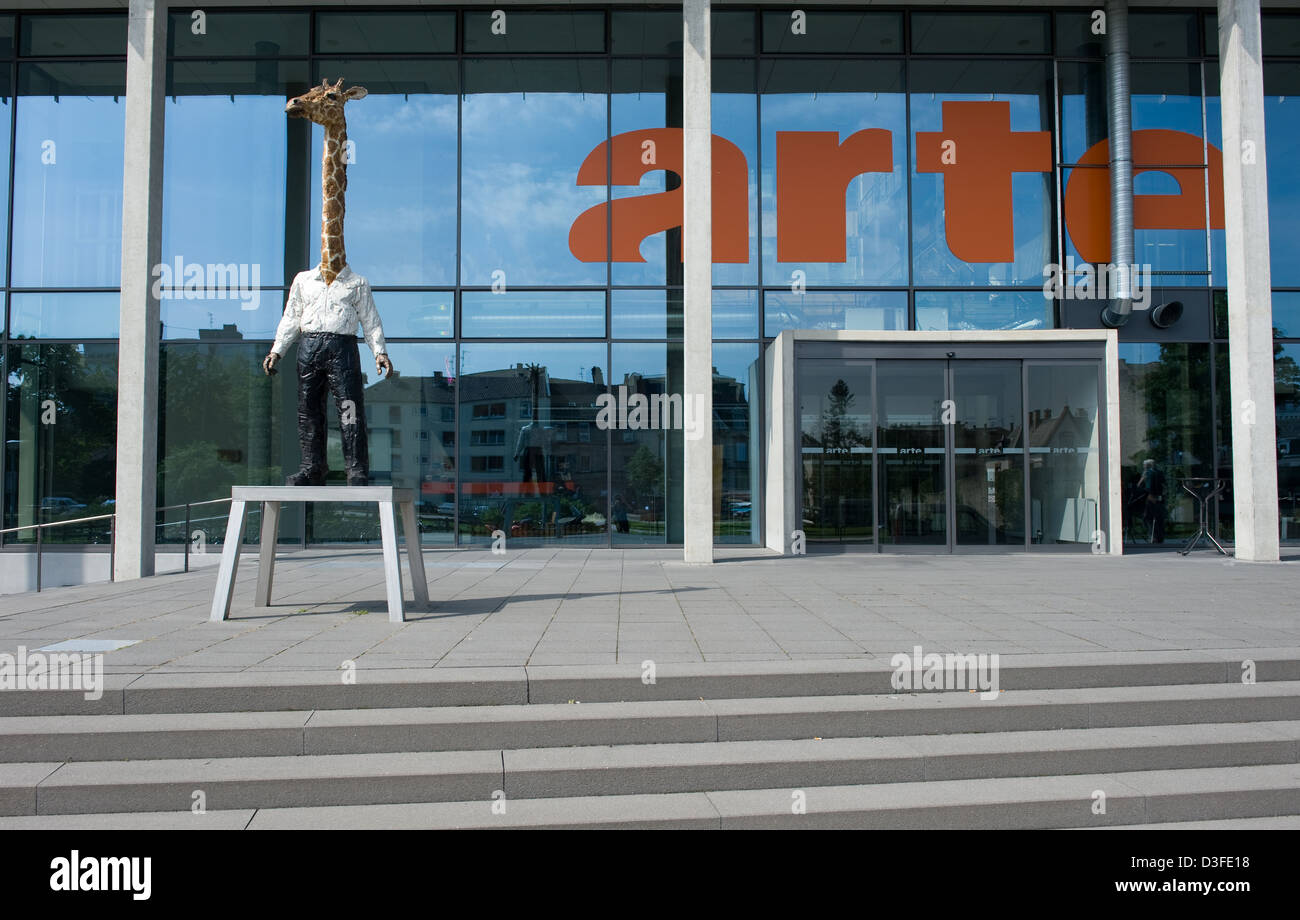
(334, 181)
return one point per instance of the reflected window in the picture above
(1064, 455)
(1000, 114)
(540, 480)
(952, 310)
(821, 221)
(401, 216)
(1165, 402)
(528, 124)
(60, 435)
(833, 310)
(68, 175)
(735, 443)
(539, 314)
(90, 315)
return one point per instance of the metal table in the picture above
(1203, 490)
(272, 497)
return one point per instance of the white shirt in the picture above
(315, 307)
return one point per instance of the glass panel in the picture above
(6, 112)
(1064, 455)
(1165, 402)
(385, 33)
(1286, 315)
(528, 127)
(410, 428)
(836, 429)
(90, 315)
(6, 36)
(981, 33)
(1286, 401)
(647, 314)
(221, 424)
(647, 449)
(735, 314)
(1162, 34)
(223, 205)
(986, 109)
(818, 31)
(1282, 145)
(532, 455)
(401, 194)
(943, 310)
(735, 443)
(645, 32)
(821, 190)
(228, 34)
(833, 310)
(913, 495)
(988, 448)
(536, 314)
(647, 95)
(59, 443)
(74, 36)
(523, 32)
(68, 175)
(1075, 38)
(1156, 249)
(1280, 33)
(417, 314)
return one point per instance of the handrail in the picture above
(98, 517)
(112, 533)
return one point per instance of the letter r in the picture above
(813, 171)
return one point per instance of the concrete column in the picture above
(1250, 303)
(137, 373)
(697, 234)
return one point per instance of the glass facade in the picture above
(515, 203)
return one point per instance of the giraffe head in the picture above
(324, 104)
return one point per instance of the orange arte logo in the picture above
(977, 154)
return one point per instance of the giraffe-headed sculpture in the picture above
(324, 307)
(324, 105)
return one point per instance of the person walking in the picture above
(1153, 513)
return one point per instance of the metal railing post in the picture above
(186, 536)
(39, 528)
(112, 547)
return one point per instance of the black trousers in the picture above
(328, 362)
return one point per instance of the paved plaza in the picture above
(589, 607)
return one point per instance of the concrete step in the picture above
(1256, 796)
(475, 776)
(452, 728)
(263, 691)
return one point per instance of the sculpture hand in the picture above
(383, 365)
(269, 362)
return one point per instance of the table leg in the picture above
(266, 553)
(392, 565)
(229, 563)
(415, 554)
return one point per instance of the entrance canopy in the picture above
(943, 441)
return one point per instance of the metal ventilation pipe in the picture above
(1120, 306)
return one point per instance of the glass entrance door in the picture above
(836, 429)
(912, 448)
(988, 484)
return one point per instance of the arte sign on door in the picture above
(977, 153)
